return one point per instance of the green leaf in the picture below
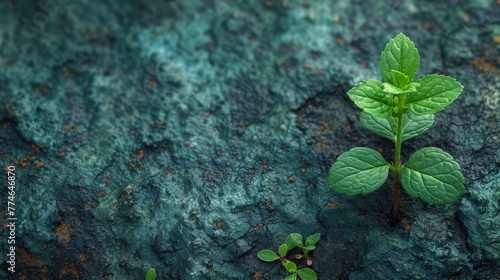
(291, 277)
(390, 89)
(151, 275)
(267, 255)
(293, 240)
(283, 249)
(290, 266)
(358, 171)
(388, 127)
(308, 248)
(401, 55)
(307, 274)
(434, 94)
(432, 175)
(400, 80)
(368, 96)
(312, 239)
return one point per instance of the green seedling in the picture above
(292, 241)
(400, 109)
(151, 275)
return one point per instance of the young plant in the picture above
(292, 241)
(400, 109)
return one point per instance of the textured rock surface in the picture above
(189, 135)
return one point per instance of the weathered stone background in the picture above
(189, 135)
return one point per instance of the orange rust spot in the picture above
(407, 227)
(66, 127)
(260, 225)
(481, 63)
(131, 167)
(291, 180)
(268, 202)
(153, 82)
(218, 224)
(339, 40)
(303, 170)
(168, 174)
(71, 270)
(380, 150)
(39, 165)
(63, 232)
(82, 257)
(269, 4)
(28, 258)
(496, 39)
(102, 194)
(307, 66)
(331, 205)
(140, 154)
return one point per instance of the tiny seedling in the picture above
(398, 110)
(151, 275)
(292, 241)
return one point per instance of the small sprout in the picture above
(292, 241)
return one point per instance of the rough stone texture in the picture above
(189, 135)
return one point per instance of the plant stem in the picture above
(394, 217)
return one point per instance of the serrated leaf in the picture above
(307, 274)
(369, 96)
(432, 175)
(401, 55)
(282, 250)
(434, 94)
(151, 275)
(312, 239)
(358, 171)
(400, 80)
(388, 127)
(267, 255)
(290, 266)
(291, 277)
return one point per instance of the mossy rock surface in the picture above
(189, 135)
